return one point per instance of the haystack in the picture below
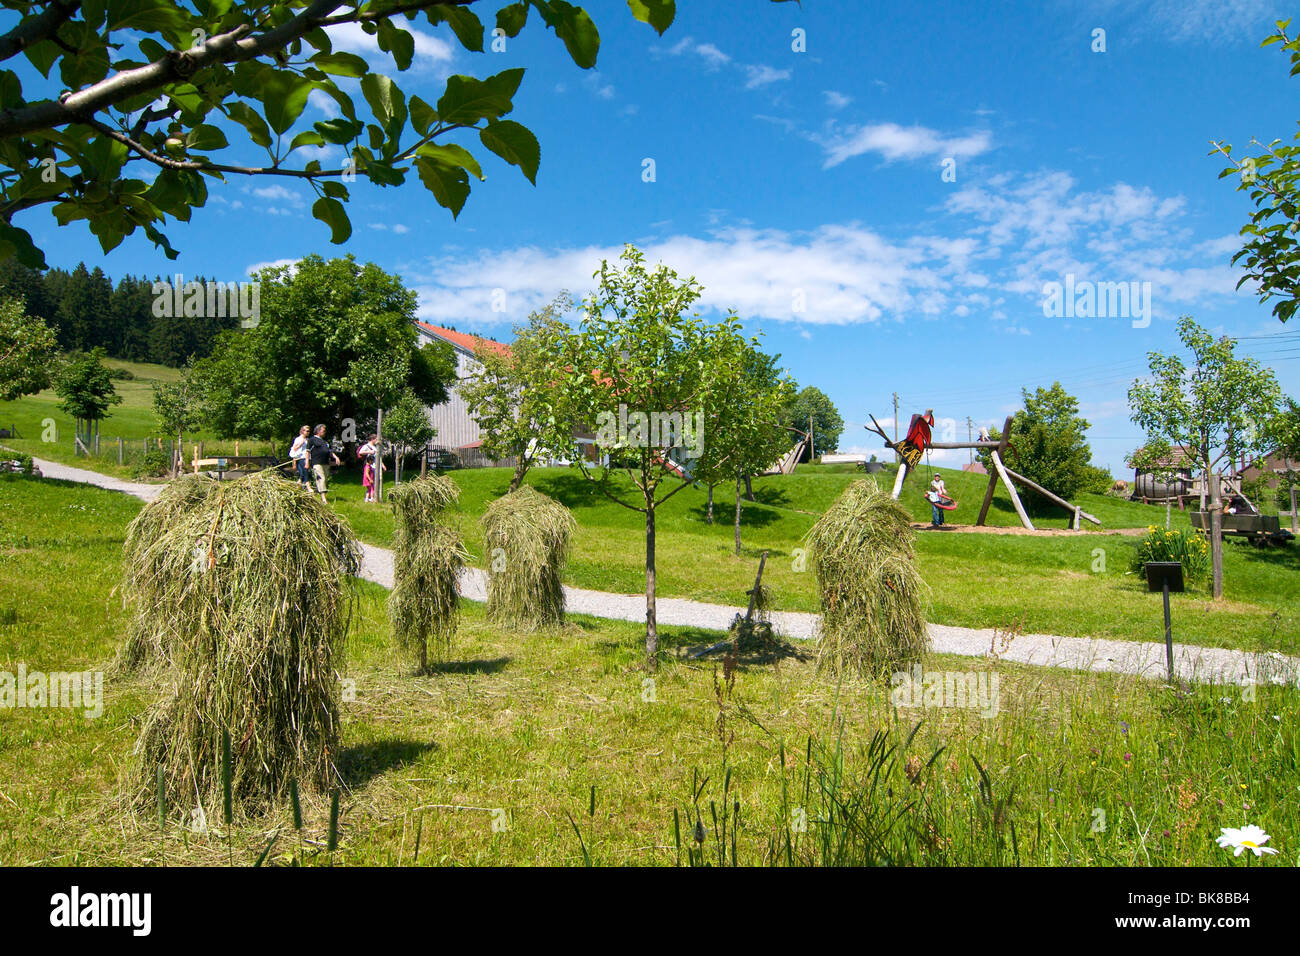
(527, 537)
(873, 622)
(428, 555)
(151, 628)
(254, 583)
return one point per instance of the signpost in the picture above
(1166, 576)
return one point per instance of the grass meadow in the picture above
(553, 749)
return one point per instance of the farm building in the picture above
(458, 432)
(1273, 467)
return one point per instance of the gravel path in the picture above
(1146, 659)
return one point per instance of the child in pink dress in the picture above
(367, 452)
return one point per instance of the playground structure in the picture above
(997, 450)
(786, 464)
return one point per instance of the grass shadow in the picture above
(493, 666)
(360, 763)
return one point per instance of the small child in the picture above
(369, 453)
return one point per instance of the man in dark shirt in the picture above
(321, 455)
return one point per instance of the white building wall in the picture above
(456, 428)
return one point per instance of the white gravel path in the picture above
(1146, 659)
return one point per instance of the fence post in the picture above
(119, 451)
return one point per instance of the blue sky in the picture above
(805, 190)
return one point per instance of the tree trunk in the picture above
(709, 517)
(1216, 538)
(651, 625)
(749, 489)
(521, 469)
(379, 455)
(737, 528)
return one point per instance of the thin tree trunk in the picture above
(709, 518)
(749, 489)
(521, 469)
(737, 529)
(379, 455)
(651, 624)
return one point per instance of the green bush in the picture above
(121, 375)
(152, 463)
(1165, 544)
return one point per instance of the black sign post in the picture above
(1166, 576)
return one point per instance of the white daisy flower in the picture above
(1248, 837)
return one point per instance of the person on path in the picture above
(321, 455)
(369, 452)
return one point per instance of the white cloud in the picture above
(1008, 236)
(431, 52)
(257, 267)
(893, 142)
(762, 75)
(836, 100)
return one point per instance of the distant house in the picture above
(457, 429)
(1273, 467)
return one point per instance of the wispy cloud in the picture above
(893, 142)
(836, 100)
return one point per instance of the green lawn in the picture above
(520, 729)
(1074, 585)
(1040, 584)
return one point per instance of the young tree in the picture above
(323, 325)
(1048, 443)
(744, 422)
(1220, 409)
(178, 406)
(1271, 253)
(377, 377)
(408, 428)
(511, 394)
(636, 360)
(27, 351)
(156, 83)
(86, 389)
(827, 424)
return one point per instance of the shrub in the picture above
(152, 463)
(1166, 544)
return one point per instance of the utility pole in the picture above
(969, 432)
(896, 458)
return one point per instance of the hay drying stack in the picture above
(872, 618)
(254, 579)
(428, 555)
(152, 628)
(532, 532)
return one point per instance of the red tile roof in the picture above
(471, 343)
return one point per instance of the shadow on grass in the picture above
(493, 666)
(360, 763)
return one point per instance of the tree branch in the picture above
(31, 30)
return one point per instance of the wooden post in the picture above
(424, 462)
(993, 477)
(899, 478)
(1295, 528)
(119, 451)
(379, 455)
(1216, 537)
(1011, 490)
(1054, 498)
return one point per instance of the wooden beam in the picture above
(1051, 497)
(993, 477)
(899, 479)
(1011, 490)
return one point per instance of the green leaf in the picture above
(42, 55)
(386, 100)
(658, 13)
(452, 155)
(393, 39)
(331, 212)
(340, 64)
(423, 116)
(572, 25)
(18, 243)
(339, 130)
(511, 19)
(336, 190)
(465, 24)
(206, 137)
(308, 137)
(449, 184)
(284, 95)
(251, 120)
(11, 90)
(515, 144)
(468, 100)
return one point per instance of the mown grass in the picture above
(518, 730)
(1072, 585)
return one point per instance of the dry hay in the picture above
(873, 622)
(527, 536)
